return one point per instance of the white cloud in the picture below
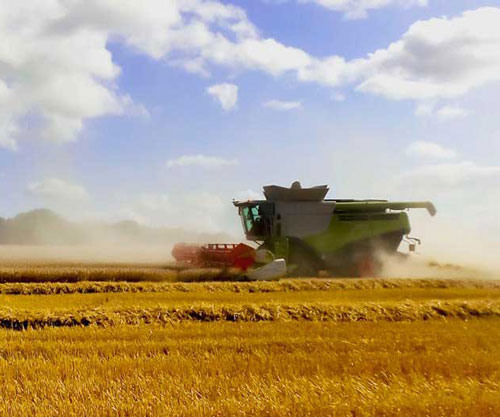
(282, 105)
(226, 94)
(57, 189)
(331, 71)
(248, 195)
(201, 161)
(8, 131)
(447, 176)
(430, 150)
(425, 109)
(443, 113)
(451, 112)
(358, 9)
(56, 65)
(339, 97)
(266, 55)
(439, 58)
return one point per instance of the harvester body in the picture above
(344, 237)
(300, 230)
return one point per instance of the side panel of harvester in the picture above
(348, 229)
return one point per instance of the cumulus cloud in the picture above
(431, 150)
(60, 77)
(330, 71)
(57, 189)
(436, 59)
(425, 109)
(225, 94)
(451, 112)
(338, 97)
(358, 9)
(248, 195)
(201, 161)
(443, 113)
(282, 105)
(439, 58)
(57, 70)
(56, 65)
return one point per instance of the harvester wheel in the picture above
(368, 266)
(302, 264)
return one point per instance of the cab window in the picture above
(257, 219)
(247, 219)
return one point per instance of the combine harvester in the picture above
(300, 233)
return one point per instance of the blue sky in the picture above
(166, 111)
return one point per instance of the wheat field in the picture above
(436, 368)
(124, 345)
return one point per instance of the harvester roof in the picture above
(296, 194)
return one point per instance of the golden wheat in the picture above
(113, 272)
(437, 368)
(372, 312)
(284, 285)
(310, 347)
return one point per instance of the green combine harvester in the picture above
(299, 232)
(314, 234)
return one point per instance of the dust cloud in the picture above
(451, 248)
(448, 250)
(85, 254)
(425, 266)
(42, 236)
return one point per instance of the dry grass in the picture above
(73, 272)
(437, 368)
(226, 295)
(284, 285)
(354, 312)
(225, 304)
(315, 347)
(110, 273)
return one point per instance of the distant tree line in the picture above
(44, 227)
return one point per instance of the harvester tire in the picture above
(368, 265)
(302, 263)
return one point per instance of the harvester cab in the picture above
(258, 220)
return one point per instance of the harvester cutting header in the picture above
(299, 230)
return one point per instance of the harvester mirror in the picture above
(412, 247)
